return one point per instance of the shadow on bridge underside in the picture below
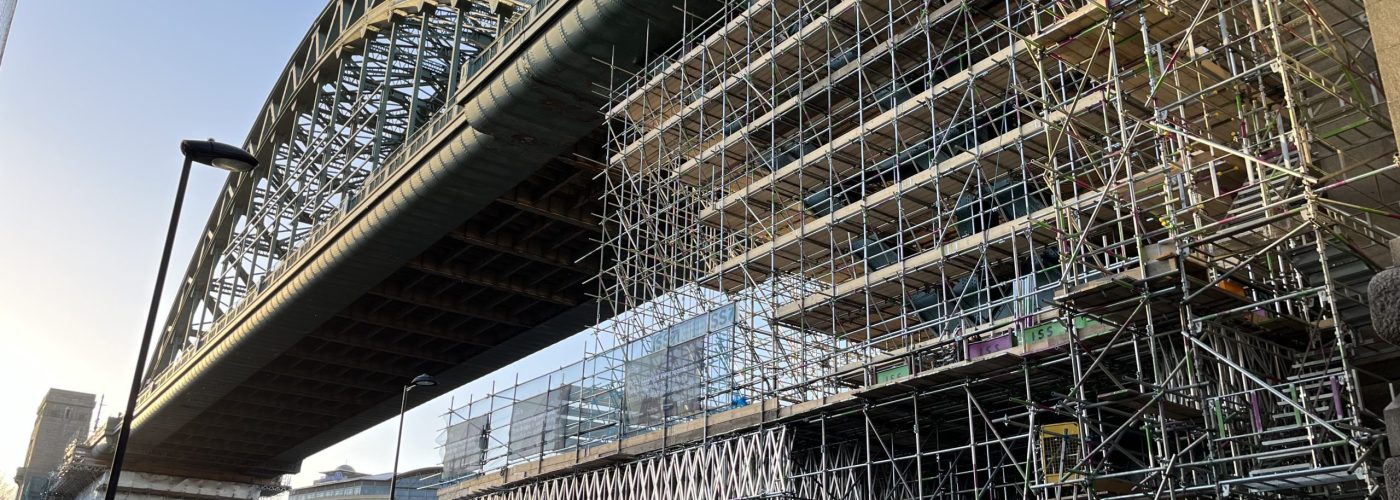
(429, 208)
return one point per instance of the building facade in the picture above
(343, 483)
(990, 249)
(62, 418)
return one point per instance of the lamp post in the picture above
(423, 380)
(210, 153)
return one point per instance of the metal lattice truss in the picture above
(368, 76)
(752, 465)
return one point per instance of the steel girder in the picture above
(525, 100)
(365, 78)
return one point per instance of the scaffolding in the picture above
(1012, 248)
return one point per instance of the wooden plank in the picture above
(734, 88)
(814, 238)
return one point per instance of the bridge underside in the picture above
(474, 254)
(509, 280)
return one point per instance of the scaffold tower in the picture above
(1010, 248)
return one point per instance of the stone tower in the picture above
(62, 417)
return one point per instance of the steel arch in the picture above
(365, 78)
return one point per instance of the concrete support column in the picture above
(149, 486)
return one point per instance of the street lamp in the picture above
(218, 154)
(423, 380)
(210, 153)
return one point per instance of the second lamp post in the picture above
(423, 380)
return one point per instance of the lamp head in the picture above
(423, 380)
(219, 155)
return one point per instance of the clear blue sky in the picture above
(95, 96)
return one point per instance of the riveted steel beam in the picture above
(465, 274)
(553, 208)
(388, 347)
(510, 244)
(424, 299)
(407, 326)
(331, 380)
(355, 363)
